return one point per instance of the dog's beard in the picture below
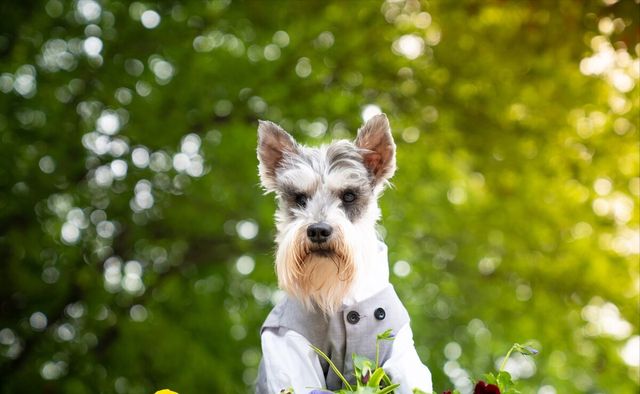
(316, 274)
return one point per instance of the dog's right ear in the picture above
(273, 145)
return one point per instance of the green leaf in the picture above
(361, 362)
(386, 336)
(504, 380)
(491, 379)
(388, 389)
(376, 378)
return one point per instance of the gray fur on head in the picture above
(374, 145)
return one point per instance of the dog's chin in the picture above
(324, 253)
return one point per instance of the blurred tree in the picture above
(136, 245)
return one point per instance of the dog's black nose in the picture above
(319, 232)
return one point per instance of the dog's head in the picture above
(327, 207)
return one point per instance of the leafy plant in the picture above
(370, 377)
(497, 384)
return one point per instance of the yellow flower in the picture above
(165, 391)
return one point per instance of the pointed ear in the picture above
(379, 155)
(273, 143)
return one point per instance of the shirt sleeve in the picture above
(404, 365)
(289, 361)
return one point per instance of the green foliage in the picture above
(503, 381)
(136, 244)
(369, 378)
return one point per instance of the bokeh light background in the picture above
(135, 251)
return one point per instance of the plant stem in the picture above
(504, 363)
(335, 369)
(377, 351)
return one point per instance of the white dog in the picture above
(331, 264)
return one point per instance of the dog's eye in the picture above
(301, 200)
(348, 197)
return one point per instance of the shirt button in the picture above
(380, 314)
(353, 317)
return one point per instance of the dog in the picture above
(331, 263)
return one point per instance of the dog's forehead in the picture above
(335, 166)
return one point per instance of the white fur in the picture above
(330, 288)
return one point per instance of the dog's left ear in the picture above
(379, 149)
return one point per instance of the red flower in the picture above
(481, 388)
(446, 392)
